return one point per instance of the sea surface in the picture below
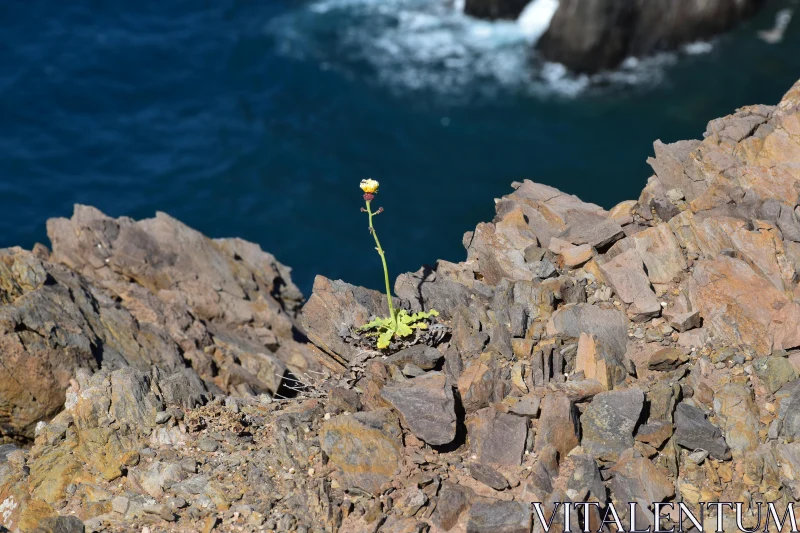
(258, 119)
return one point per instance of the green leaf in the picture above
(384, 339)
(377, 323)
(404, 330)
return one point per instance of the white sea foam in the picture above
(535, 18)
(431, 45)
(698, 47)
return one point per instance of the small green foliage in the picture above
(401, 325)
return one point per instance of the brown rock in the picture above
(452, 502)
(667, 359)
(625, 274)
(475, 386)
(558, 424)
(576, 255)
(365, 447)
(427, 406)
(659, 249)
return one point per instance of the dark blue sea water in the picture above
(258, 119)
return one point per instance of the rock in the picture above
(608, 326)
(586, 479)
(444, 288)
(226, 305)
(593, 229)
(542, 269)
(365, 447)
(558, 424)
(424, 357)
(593, 35)
(637, 479)
(608, 423)
(488, 476)
(655, 433)
(333, 308)
(55, 323)
(739, 307)
(683, 321)
(62, 524)
(667, 359)
(738, 414)
(662, 256)
(625, 274)
(497, 438)
(208, 445)
(693, 431)
(475, 386)
(427, 406)
(597, 361)
(494, 9)
(452, 502)
(499, 517)
(576, 255)
(774, 372)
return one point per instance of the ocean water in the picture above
(258, 119)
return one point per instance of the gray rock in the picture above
(609, 326)
(453, 500)
(586, 479)
(542, 269)
(427, 406)
(609, 421)
(208, 445)
(62, 524)
(423, 356)
(497, 438)
(534, 253)
(693, 431)
(499, 517)
(636, 478)
(593, 229)
(488, 476)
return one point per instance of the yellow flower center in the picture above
(369, 186)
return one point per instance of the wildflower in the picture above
(370, 188)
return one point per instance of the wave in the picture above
(431, 45)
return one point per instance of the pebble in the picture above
(208, 445)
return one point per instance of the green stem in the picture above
(385, 268)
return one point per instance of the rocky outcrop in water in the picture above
(593, 35)
(645, 353)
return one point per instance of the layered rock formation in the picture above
(642, 354)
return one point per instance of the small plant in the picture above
(399, 323)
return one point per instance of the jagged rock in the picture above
(655, 433)
(497, 438)
(558, 424)
(608, 423)
(333, 308)
(365, 447)
(660, 252)
(667, 359)
(625, 273)
(444, 288)
(576, 255)
(488, 476)
(594, 229)
(637, 479)
(427, 406)
(774, 372)
(693, 431)
(453, 500)
(597, 361)
(593, 35)
(740, 307)
(475, 386)
(608, 326)
(586, 479)
(738, 416)
(424, 357)
(543, 473)
(499, 517)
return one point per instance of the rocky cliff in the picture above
(646, 353)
